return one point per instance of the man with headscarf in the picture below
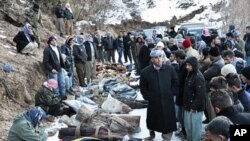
(158, 85)
(80, 58)
(69, 19)
(109, 46)
(91, 60)
(26, 126)
(98, 40)
(25, 41)
(48, 101)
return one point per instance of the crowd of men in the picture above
(181, 77)
(211, 76)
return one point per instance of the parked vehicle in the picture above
(195, 29)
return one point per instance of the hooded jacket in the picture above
(195, 88)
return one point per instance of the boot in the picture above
(83, 85)
(61, 34)
(165, 137)
(151, 136)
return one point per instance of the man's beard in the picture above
(158, 64)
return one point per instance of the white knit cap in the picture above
(228, 68)
(160, 44)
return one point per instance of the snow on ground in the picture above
(3, 36)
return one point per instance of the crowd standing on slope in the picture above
(182, 77)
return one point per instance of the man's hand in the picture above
(54, 71)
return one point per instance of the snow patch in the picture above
(163, 10)
(3, 36)
(83, 22)
(23, 1)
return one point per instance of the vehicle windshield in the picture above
(148, 32)
(198, 32)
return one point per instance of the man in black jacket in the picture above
(53, 62)
(80, 57)
(127, 47)
(194, 100)
(158, 85)
(60, 18)
(91, 60)
(143, 57)
(247, 44)
(182, 73)
(213, 70)
(99, 42)
(223, 106)
(25, 41)
(109, 47)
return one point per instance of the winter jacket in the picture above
(247, 44)
(144, 57)
(182, 74)
(195, 88)
(99, 42)
(67, 50)
(138, 46)
(59, 12)
(192, 52)
(23, 130)
(244, 98)
(79, 53)
(119, 44)
(214, 69)
(159, 87)
(126, 42)
(88, 50)
(204, 64)
(109, 44)
(235, 116)
(21, 41)
(172, 34)
(239, 64)
(51, 61)
(46, 99)
(68, 15)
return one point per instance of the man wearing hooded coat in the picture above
(158, 84)
(193, 100)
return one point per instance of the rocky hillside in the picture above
(17, 88)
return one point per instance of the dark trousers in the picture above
(111, 55)
(100, 53)
(120, 57)
(133, 55)
(127, 55)
(70, 70)
(81, 72)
